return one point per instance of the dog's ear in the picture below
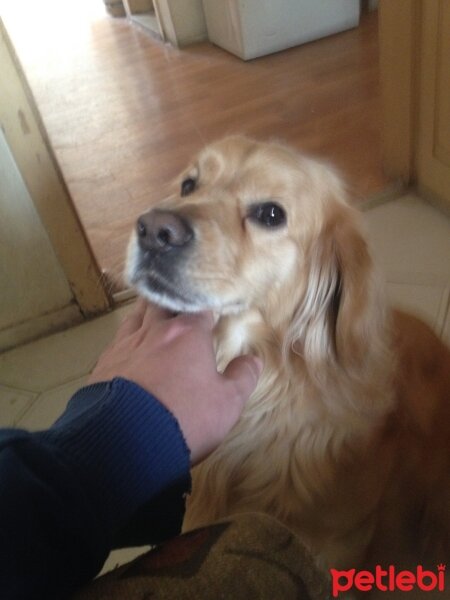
(339, 312)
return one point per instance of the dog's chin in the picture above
(183, 301)
(169, 300)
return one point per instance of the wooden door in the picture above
(415, 79)
(433, 136)
(46, 262)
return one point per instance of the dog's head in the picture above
(257, 225)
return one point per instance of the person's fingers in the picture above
(243, 373)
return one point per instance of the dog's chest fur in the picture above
(284, 457)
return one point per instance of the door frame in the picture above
(399, 31)
(28, 141)
(409, 71)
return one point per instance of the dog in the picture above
(346, 438)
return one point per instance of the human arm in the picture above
(67, 492)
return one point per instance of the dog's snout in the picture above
(162, 230)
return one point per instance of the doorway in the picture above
(125, 112)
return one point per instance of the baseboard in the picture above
(33, 329)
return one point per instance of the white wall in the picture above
(183, 20)
(32, 282)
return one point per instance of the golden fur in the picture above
(347, 436)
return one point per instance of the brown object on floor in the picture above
(250, 556)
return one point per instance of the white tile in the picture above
(410, 236)
(424, 301)
(410, 241)
(49, 406)
(61, 357)
(13, 404)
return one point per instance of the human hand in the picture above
(172, 357)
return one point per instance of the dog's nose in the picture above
(162, 230)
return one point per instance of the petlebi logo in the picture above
(388, 580)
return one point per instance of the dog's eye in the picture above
(268, 214)
(188, 186)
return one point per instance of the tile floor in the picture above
(410, 239)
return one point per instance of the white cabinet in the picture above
(251, 28)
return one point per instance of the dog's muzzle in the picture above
(157, 258)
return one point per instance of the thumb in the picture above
(243, 373)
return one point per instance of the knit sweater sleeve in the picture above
(70, 493)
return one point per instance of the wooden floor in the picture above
(125, 112)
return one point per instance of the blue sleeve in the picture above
(70, 493)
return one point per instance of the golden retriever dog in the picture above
(346, 439)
